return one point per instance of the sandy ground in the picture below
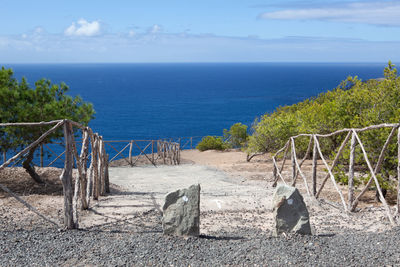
(234, 194)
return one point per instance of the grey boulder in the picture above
(290, 211)
(181, 212)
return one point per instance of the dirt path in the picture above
(234, 194)
(144, 189)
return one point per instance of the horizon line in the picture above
(199, 62)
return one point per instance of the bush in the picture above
(211, 142)
(359, 105)
(237, 135)
(353, 104)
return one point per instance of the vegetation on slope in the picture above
(353, 104)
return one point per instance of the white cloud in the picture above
(131, 33)
(38, 30)
(376, 13)
(83, 28)
(155, 29)
(169, 47)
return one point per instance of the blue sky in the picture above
(45, 31)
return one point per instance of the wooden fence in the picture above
(151, 150)
(91, 182)
(129, 151)
(169, 152)
(353, 137)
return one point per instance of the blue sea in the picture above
(152, 101)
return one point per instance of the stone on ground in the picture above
(181, 212)
(290, 211)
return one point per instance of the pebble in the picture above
(126, 244)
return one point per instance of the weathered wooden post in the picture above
(351, 171)
(152, 150)
(314, 168)
(373, 173)
(101, 167)
(89, 187)
(171, 153)
(175, 154)
(164, 151)
(398, 170)
(95, 160)
(179, 155)
(191, 142)
(75, 199)
(158, 149)
(377, 167)
(4, 156)
(130, 152)
(293, 165)
(41, 155)
(106, 175)
(66, 178)
(83, 162)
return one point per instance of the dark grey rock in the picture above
(290, 211)
(181, 212)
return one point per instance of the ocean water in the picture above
(152, 101)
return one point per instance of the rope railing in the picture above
(314, 142)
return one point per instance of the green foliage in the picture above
(211, 142)
(237, 135)
(44, 102)
(364, 104)
(353, 104)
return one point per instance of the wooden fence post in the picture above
(164, 151)
(179, 155)
(106, 175)
(376, 170)
(101, 167)
(293, 165)
(95, 159)
(89, 187)
(152, 150)
(275, 172)
(351, 171)
(83, 163)
(330, 172)
(335, 161)
(378, 187)
(41, 155)
(130, 152)
(66, 178)
(314, 169)
(398, 170)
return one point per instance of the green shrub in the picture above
(237, 135)
(353, 104)
(211, 142)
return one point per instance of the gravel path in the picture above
(124, 229)
(132, 243)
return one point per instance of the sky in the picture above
(54, 31)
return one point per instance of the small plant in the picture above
(237, 135)
(211, 142)
(342, 177)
